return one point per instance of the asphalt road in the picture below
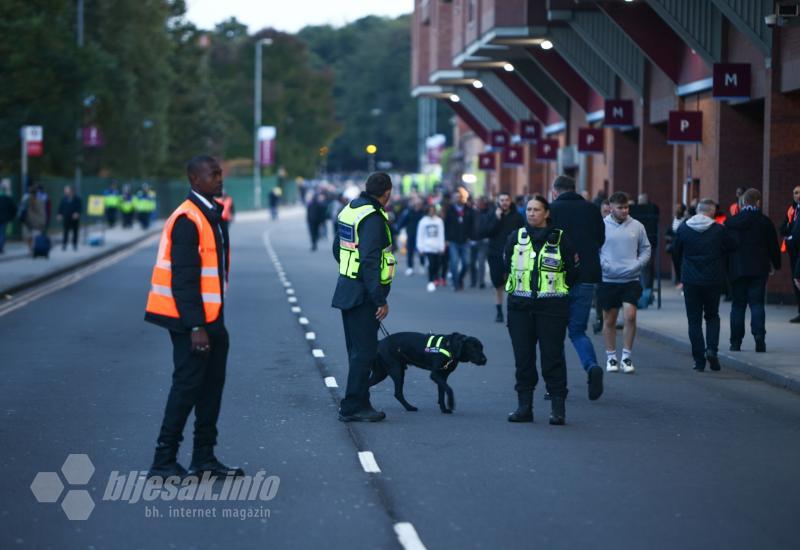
(666, 458)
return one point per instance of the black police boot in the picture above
(761, 345)
(557, 411)
(368, 414)
(499, 317)
(524, 412)
(203, 460)
(165, 463)
(713, 360)
(736, 346)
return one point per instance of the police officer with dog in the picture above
(363, 249)
(542, 266)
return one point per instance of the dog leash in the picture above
(383, 329)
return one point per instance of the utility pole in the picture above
(79, 131)
(257, 124)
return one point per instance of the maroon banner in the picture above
(486, 161)
(618, 113)
(499, 139)
(92, 137)
(590, 141)
(530, 131)
(34, 148)
(547, 150)
(513, 155)
(731, 81)
(685, 127)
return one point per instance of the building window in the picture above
(471, 10)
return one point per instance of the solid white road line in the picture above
(302, 321)
(330, 382)
(316, 352)
(368, 462)
(311, 336)
(407, 536)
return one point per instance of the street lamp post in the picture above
(257, 124)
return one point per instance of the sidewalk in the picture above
(779, 366)
(18, 270)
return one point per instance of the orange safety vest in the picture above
(720, 219)
(734, 208)
(227, 207)
(791, 214)
(160, 300)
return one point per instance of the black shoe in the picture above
(699, 368)
(499, 317)
(761, 345)
(365, 415)
(203, 460)
(736, 346)
(165, 463)
(595, 382)
(524, 412)
(713, 361)
(558, 415)
(792, 320)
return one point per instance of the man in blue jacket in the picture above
(702, 244)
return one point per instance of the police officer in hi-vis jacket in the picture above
(363, 249)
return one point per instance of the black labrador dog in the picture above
(439, 354)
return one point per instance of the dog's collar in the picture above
(430, 347)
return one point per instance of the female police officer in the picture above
(542, 266)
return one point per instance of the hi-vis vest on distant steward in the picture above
(551, 280)
(349, 258)
(160, 300)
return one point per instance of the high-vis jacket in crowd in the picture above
(226, 203)
(349, 258)
(160, 300)
(546, 267)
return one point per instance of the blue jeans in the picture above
(458, 251)
(748, 291)
(580, 305)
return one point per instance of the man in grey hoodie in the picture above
(624, 254)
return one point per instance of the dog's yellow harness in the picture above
(430, 347)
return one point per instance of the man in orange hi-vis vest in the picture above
(790, 231)
(187, 298)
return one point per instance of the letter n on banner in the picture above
(499, 139)
(486, 161)
(685, 127)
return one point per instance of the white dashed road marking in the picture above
(311, 336)
(318, 353)
(296, 309)
(368, 462)
(302, 321)
(292, 300)
(407, 536)
(330, 382)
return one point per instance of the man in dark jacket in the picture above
(200, 345)
(410, 220)
(648, 214)
(757, 257)
(790, 231)
(8, 210)
(362, 298)
(583, 224)
(702, 244)
(497, 225)
(69, 212)
(459, 223)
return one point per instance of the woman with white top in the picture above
(430, 241)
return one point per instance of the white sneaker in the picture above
(612, 365)
(627, 366)
(409, 272)
(431, 287)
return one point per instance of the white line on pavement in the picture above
(292, 300)
(296, 309)
(311, 336)
(316, 352)
(287, 284)
(368, 462)
(330, 382)
(407, 536)
(302, 321)
(289, 291)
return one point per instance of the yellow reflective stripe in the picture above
(439, 341)
(161, 290)
(430, 341)
(211, 298)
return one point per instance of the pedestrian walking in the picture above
(409, 220)
(624, 254)
(584, 227)
(703, 245)
(8, 211)
(362, 248)
(112, 199)
(478, 246)
(69, 213)
(187, 297)
(756, 258)
(678, 218)
(790, 232)
(459, 224)
(144, 204)
(33, 215)
(275, 200)
(497, 225)
(126, 207)
(542, 265)
(648, 214)
(430, 242)
(316, 216)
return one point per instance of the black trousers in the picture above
(197, 384)
(434, 269)
(702, 301)
(526, 329)
(361, 338)
(111, 216)
(748, 291)
(71, 226)
(792, 263)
